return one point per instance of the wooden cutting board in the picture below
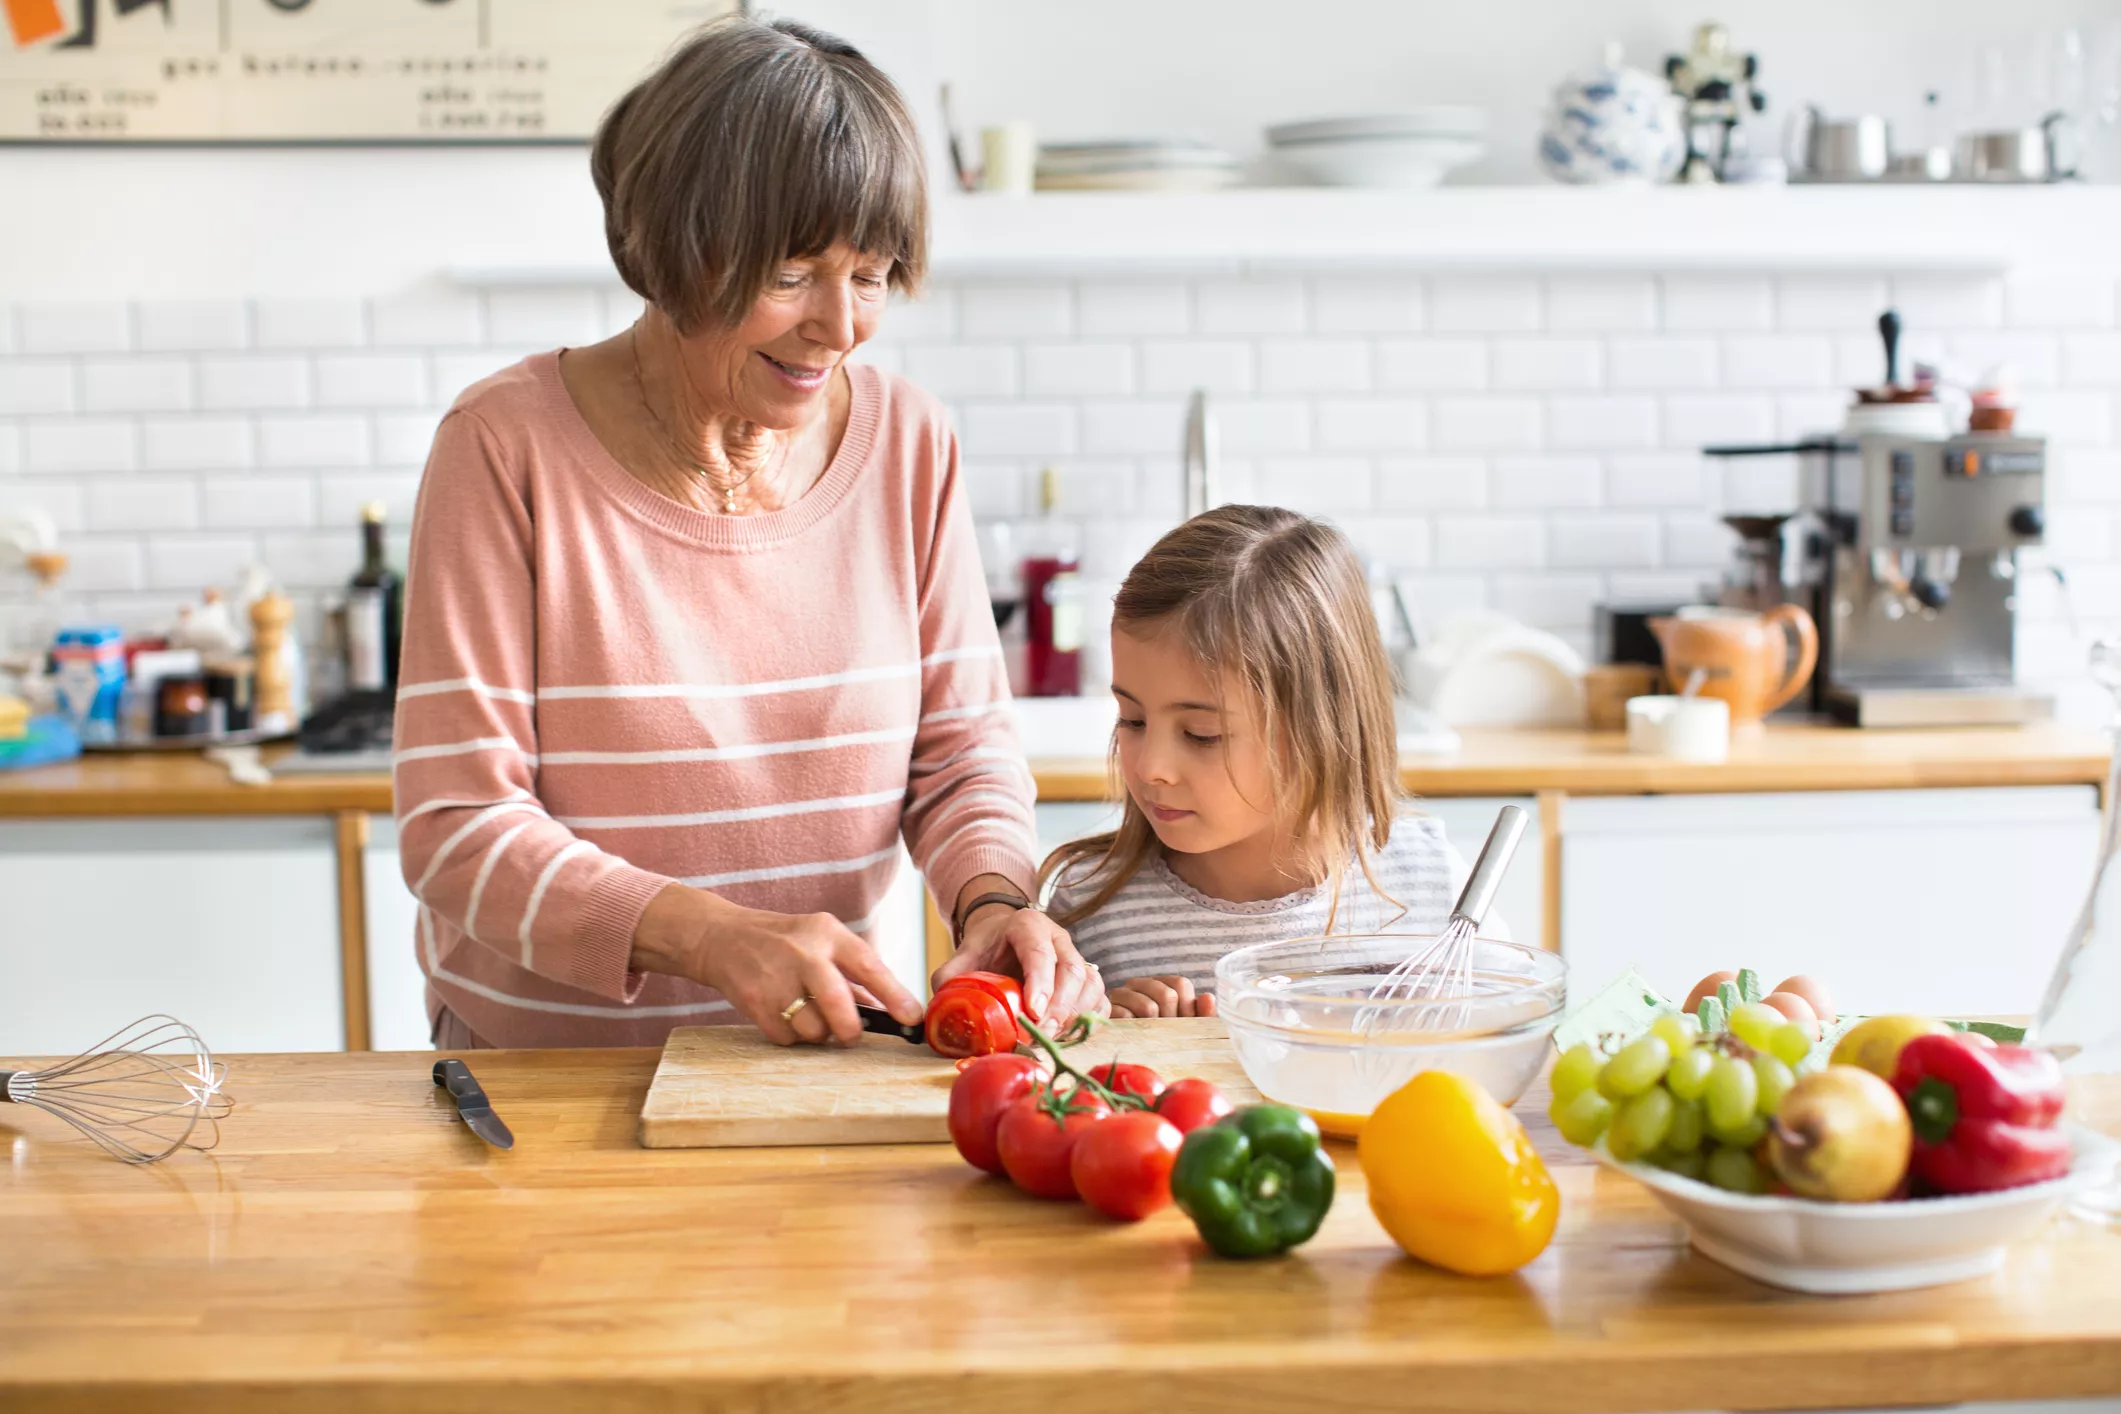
(727, 1087)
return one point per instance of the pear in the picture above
(1841, 1135)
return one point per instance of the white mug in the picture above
(1683, 728)
(1009, 158)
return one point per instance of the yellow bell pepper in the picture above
(1454, 1178)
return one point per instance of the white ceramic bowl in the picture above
(1402, 163)
(1301, 1018)
(1840, 1249)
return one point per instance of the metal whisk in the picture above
(1443, 971)
(142, 1094)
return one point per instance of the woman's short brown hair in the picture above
(754, 144)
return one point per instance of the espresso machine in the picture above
(1904, 549)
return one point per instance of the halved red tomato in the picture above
(1006, 990)
(967, 1021)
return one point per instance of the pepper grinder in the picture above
(275, 699)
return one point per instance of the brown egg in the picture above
(1797, 1009)
(1813, 993)
(1707, 986)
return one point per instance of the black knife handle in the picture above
(455, 1077)
(883, 1023)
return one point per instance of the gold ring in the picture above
(788, 1012)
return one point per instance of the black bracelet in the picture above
(964, 915)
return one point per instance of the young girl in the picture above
(1260, 755)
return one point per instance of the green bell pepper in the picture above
(1255, 1182)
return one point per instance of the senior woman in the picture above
(696, 629)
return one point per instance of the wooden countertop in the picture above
(351, 1247)
(1781, 758)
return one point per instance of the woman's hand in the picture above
(1023, 942)
(1161, 996)
(763, 961)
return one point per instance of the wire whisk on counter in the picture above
(142, 1094)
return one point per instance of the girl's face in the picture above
(774, 368)
(1190, 749)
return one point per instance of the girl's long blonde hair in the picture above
(1280, 602)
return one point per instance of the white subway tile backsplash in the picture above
(101, 564)
(403, 439)
(1539, 483)
(964, 370)
(195, 443)
(1106, 308)
(1657, 363)
(7, 329)
(80, 444)
(1432, 483)
(996, 489)
(1487, 424)
(1015, 311)
(2034, 359)
(36, 385)
(1599, 304)
(1940, 301)
(1252, 306)
(1830, 302)
(454, 372)
(1693, 420)
(1765, 484)
(2081, 535)
(1179, 366)
(1314, 366)
(323, 559)
(1778, 361)
(341, 495)
(189, 563)
(1656, 587)
(2075, 418)
(1538, 364)
(191, 326)
(310, 324)
(1314, 485)
(2093, 359)
(1718, 304)
(143, 503)
(1373, 424)
(1023, 429)
(1656, 479)
(1432, 365)
(73, 328)
(890, 358)
(1486, 304)
(932, 316)
(545, 318)
(261, 382)
(1550, 601)
(1801, 415)
(1602, 421)
(428, 321)
(1491, 542)
(2084, 474)
(1697, 542)
(1078, 370)
(10, 449)
(1402, 542)
(258, 502)
(1436, 599)
(313, 441)
(136, 385)
(64, 500)
(2059, 299)
(1249, 425)
(1367, 305)
(622, 309)
(1099, 487)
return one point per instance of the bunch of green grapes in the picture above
(1696, 1105)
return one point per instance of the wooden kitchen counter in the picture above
(352, 1247)
(1491, 762)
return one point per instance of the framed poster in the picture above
(309, 71)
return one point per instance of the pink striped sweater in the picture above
(604, 690)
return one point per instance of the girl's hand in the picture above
(1161, 996)
(763, 961)
(1023, 942)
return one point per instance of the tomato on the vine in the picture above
(1006, 990)
(1191, 1103)
(982, 1092)
(967, 1021)
(1129, 1079)
(1122, 1166)
(1036, 1143)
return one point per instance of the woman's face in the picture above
(1189, 751)
(775, 367)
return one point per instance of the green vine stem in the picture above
(1117, 1099)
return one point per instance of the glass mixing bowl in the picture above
(1309, 1032)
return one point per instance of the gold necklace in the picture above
(728, 489)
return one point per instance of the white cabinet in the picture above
(1951, 902)
(229, 923)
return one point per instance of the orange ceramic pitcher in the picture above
(1755, 662)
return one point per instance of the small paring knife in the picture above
(875, 1018)
(472, 1104)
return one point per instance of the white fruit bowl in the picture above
(1840, 1249)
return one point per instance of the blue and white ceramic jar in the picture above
(1614, 124)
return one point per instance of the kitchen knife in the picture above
(472, 1105)
(875, 1018)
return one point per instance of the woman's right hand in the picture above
(763, 961)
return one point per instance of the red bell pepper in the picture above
(1984, 1117)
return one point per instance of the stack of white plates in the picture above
(1411, 149)
(1143, 165)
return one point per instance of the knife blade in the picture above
(875, 1018)
(472, 1105)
